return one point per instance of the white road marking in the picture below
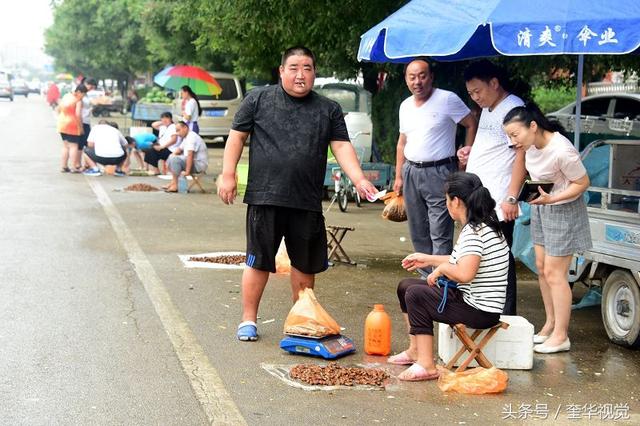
(203, 377)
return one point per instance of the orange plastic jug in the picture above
(377, 332)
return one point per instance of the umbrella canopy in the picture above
(64, 76)
(464, 29)
(200, 81)
(451, 30)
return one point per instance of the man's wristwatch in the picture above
(510, 199)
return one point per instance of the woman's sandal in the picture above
(417, 373)
(65, 170)
(402, 358)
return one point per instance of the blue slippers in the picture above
(247, 331)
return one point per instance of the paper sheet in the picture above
(207, 265)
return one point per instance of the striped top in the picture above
(487, 291)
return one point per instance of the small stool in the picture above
(335, 235)
(469, 345)
(195, 181)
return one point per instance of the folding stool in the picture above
(195, 181)
(475, 349)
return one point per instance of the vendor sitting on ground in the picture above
(190, 158)
(479, 264)
(167, 142)
(105, 146)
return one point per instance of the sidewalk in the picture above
(595, 372)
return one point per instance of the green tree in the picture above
(255, 32)
(98, 38)
(171, 40)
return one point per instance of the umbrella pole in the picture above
(576, 132)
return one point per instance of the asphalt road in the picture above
(101, 323)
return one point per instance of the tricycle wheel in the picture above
(621, 308)
(356, 198)
(342, 200)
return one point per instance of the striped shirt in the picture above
(487, 291)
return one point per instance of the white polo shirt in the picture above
(191, 109)
(165, 133)
(193, 142)
(430, 129)
(490, 157)
(108, 141)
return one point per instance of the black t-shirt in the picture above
(289, 141)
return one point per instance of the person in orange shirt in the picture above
(70, 127)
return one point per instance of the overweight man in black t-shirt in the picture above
(291, 128)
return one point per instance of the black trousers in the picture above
(151, 156)
(420, 301)
(512, 290)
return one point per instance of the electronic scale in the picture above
(329, 347)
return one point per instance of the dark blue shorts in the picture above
(304, 235)
(86, 128)
(77, 139)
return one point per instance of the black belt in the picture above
(450, 160)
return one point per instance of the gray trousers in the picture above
(430, 225)
(178, 164)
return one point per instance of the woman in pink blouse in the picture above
(559, 222)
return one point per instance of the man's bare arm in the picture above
(232, 152)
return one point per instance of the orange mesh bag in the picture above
(308, 318)
(394, 207)
(475, 381)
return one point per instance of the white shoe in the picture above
(539, 338)
(544, 349)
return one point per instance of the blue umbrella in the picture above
(451, 30)
(464, 29)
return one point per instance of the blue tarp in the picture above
(464, 29)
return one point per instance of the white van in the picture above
(356, 106)
(217, 111)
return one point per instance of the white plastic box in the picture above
(510, 349)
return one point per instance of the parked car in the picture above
(217, 111)
(34, 86)
(356, 106)
(610, 115)
(20, 87)
(6, 91)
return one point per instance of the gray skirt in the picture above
(562, 229)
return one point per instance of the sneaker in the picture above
(92, 172)
(119, 173)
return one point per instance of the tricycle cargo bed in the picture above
(379, 174)
(150, 111)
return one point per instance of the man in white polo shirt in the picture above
(426, 155)
(106, 146)
(167, 142)
(190, 158)
(500, 167)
